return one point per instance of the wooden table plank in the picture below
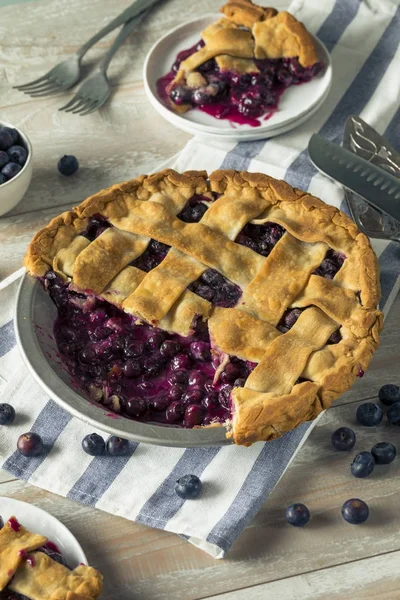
(379, 579)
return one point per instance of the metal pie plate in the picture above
(34, 319)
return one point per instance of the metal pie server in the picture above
(378, 187)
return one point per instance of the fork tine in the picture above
(40, 86)
(84, 106)
(70, 103)
(31, 83)
(50, 91)
(73, 105)
(93, 106)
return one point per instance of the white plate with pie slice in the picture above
(296, 104)
(39, 521)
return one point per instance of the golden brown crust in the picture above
(284, 36)
(272, 401)
(36, 575)
(244, 12)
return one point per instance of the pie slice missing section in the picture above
(199, 301)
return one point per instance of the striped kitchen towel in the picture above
(363, 38)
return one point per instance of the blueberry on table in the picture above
(355, 511)
(11, 169)
(188, 487)
(343, 438)
(1, 522)
(93, 444)
(369, 414)
(117, 446)
(6, 139)
(7, 414)
(362, 465)
(393, 414)
(68, 165)
(389, 394)
(383, 453)
(17, 154)
(30, 444)
(297, 514)
(4, 158)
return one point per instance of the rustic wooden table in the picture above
(329, 559)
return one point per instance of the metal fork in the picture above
(95, 91)
(67, 73)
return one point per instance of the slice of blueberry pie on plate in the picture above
(32, 568)
(242, 66)
(199, 301)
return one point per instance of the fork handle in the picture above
(134, 10)
(119, 40)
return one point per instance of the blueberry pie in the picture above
(199, 301)
(32, 568)
(242, 64)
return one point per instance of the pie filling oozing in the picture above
(241, 98)
(49, 548)
(147, 374)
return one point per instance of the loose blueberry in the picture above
(30, 444)
(343, 439)
(3, 178)
(297, 515)
(117, 446)
(17, 154)
(93, 444)
(384, 453)
(7, 414)
(4, 158)
(393, 414)
(188, 487)
(11, 169)
(389, 394)
(68, 165)
(369, 414)
(362, 465)
(1, 522)
(355, 511)
(6, 139)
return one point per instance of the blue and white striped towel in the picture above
(363, 38)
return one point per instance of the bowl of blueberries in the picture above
(15, 166)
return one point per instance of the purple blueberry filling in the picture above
(152, 256)
(215, 288)
(260, 238)
(331, 264)
(194, 209)
(240, 98)
(139, 371)
(97, 224)
(290, 317)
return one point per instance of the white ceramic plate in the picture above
(39, 521)
(296, 102)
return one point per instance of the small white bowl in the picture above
(12, 191)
